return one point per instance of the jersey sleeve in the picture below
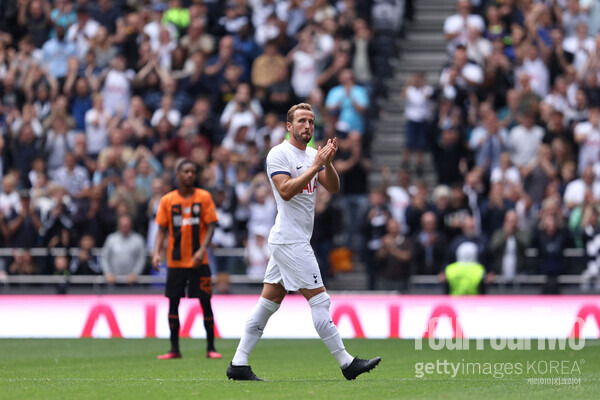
(277, 163)
(162, 214)
(209, 211)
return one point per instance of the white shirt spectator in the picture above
(82, 37)
(117, 91)
(575, 191)
(399, 202)
(236, 118)
(416, 105)
(304, 74)
(257, 257)
(524, 144)
(96, 130)
(590, 147)
(470, 71)
(538, 74)
(73, 181)
(581, 49)
(457, 24)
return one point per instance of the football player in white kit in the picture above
(294, 171)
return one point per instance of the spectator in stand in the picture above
(450, 157)
(469, 234)
(123, 254)
(97, 125)
(265, 69)
(587, 136)
(493, 210)
(430, 247)
(416, 95)
(507, 248)
(393, 259)
(419, 205)
(398, 195)
(305, 71)
(56, 52)
(85, 263)
(349, 102)
(82, 32)
(487, 141)
(524, 140)
(456, 27)
(242, 110)
(74, 178)
(116, 88)
(257, 254)
(538, 174)
(577, 190)
(352, 166)
(375, 229)
(550, 240)
(590, 231)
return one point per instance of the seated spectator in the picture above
(124, 253)
(265, 69)
(167, 111)
(468, 234)
(487, 141)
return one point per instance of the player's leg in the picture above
(174, 328)
(207, 312)
(175, 290)
(268, 303)
(319, 302)
(271, 297)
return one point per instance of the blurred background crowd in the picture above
(100, 99)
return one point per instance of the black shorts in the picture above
(197, 280)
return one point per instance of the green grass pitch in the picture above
(295, 369)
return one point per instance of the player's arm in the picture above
(288, 187)
(158, 243)
(329, 177)
(199, 254)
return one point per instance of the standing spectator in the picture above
(56, 52)
(242, 110)
(488, 141)
(97, 125)
(328, 220)
(257, 254)
(107, 14)
(507, 248)
(538, 174)
(83, 31)
(59, 141)
(416, 95)
(524, 140)
(430, 246)
(116, 89)
(353, 167)
(587, 136)
(85, 263)
(123, 253)
(34, 17)
(456, 27)
(265, 69)
(393, 259)
(450, 157)
(590, 228)
(398, 195)
(550, 241)
(375, 229)
(305, 71)
(74, 178)
(349, 102)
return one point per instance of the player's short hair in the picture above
(181, 163)
(301, 106)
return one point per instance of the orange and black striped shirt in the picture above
(186, 219)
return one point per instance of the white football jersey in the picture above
(295, 218)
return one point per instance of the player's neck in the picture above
(297, 144)
(185, 191)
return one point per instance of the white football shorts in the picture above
(293, 265)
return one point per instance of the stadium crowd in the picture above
(515, 138)
(100, 99)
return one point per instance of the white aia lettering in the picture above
(310, 186)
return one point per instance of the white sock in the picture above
(254, 330)
(328, 332)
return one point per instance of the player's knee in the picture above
(320, 300)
